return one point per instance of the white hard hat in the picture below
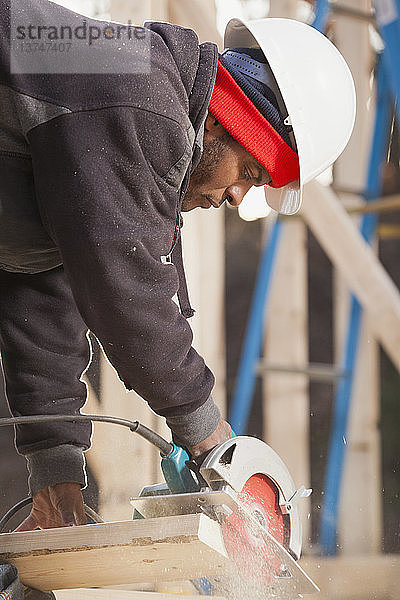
(317, 88)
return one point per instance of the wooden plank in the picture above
(360, 510)
(99, 594)
(355, 578)
(360, 519)
(286, 345)
(204, 262)
(380, 205)
(360, 513)
(144, 550)
(206, 279)
(352, 39)
(283, 8)
(134, 11)
(199, 15)
(139, 11)
(388, 231)
(363, 272)
(159, 10)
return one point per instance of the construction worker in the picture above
(101, 151)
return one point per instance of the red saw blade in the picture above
(249, 550)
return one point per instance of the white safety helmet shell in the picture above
(317, 88)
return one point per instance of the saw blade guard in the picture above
(242, 459)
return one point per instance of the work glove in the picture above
(59, 505)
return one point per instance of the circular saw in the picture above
(246, 487)
(243, 485)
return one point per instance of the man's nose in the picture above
(234, 194)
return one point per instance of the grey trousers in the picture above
(12, 589)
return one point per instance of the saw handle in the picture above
(177, 475)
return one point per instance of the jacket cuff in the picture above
(61, 464)
(193, 428)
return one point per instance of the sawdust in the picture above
(253, 571)
(256, 572)
(238, 584)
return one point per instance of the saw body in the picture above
(245, 486)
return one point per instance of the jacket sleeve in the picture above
(101, 185)
(44, 353)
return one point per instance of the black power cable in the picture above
(136, 427)
(13, 511)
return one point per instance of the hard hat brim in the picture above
(286, 200)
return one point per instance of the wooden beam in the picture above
(139, 11)
(388, 231)
(287, 345)
(144, 550)
(360, 515)
(206, 280)
(159, 10)
(199, 15)
(355, 204)
(99, 594)
(362, 270)
(135, 11)
(380, 205)
(282, 8)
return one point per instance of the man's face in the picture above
(226, 171)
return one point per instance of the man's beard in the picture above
(213, 153)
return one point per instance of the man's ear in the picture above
(213, 126)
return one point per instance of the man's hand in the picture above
(221, 434)
(59, 505)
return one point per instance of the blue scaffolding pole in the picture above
(251, 349)
(388, 22)
(337, 445)
(321, 15)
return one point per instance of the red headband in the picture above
(235, 111)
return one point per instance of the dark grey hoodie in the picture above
(93, 168)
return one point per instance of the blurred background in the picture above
(333, 416)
